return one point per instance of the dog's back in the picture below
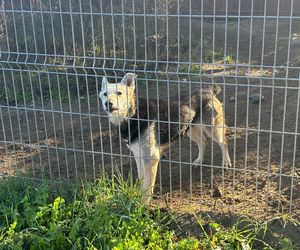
(172, 119)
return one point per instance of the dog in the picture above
(148, 128)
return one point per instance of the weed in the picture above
(193, 68)
(228, 59)
(33, 86)
(286, 244)
(107, 214)
(242, 235)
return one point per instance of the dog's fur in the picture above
(149, 128)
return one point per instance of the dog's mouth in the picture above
(111, 110)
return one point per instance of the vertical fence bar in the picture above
(17, 111)
(272, 112)
(168, 99)
(87, 89)
(72, 126)
(124, 69)
(5, 147)
(97, 92)
(236, 100)
(44, 127)
(140, 155)
(201, 99)
(145, 66)
(259, 113)
(293, 172)
(297, 106)
(115, 74)
(5, 89)
(93, 67)
(41, 91)
(31, 88)
(50, 91)
(52, 30)
(101, 169)
(77, 87)
(224, 110)
(275, 62)
(63, 125)
(53, 124)
(157, 91)
(179, 95)
(59, 90)
(5, 31)
(14, 87)
(285, 106)
(213, 111)
(105, 74)
(190, 96)
(248, 94)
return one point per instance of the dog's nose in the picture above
(108, 104)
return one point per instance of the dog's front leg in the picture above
(147, 163)
(148, 173)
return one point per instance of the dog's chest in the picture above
(138, 131)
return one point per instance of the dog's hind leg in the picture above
(197, 135)
(218, 135)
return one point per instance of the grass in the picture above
(23, 88)
(242, 235)
(228, 59)
(108, 214)
(104, 215)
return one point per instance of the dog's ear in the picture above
(129, 79)
(104, 83)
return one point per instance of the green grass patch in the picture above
(20, 88)
(103, 215)
(228, 59)
(110, 214)
(244, 234)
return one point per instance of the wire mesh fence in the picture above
(55, 53)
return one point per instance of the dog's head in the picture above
(118, 99)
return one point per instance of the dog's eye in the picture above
(119, 93)
(105, 94)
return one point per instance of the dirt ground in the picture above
(74, 140)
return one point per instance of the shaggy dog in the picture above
(148, 128)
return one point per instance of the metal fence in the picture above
(54, 54)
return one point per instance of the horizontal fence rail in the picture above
(54, 55)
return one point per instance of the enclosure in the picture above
(54, 54)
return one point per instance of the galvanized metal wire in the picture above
(54, 54)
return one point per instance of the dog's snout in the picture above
(108, 104)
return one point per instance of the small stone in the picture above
(231, 99)
(254, 98)
(217, 192)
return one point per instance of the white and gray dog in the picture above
(200, 116)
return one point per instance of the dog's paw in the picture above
(146, 199)
(197, 162)
(228, 164)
